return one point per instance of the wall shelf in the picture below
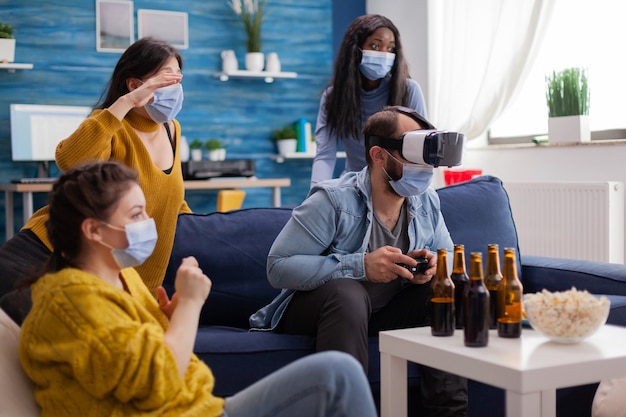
(301, 155)
(267, 76)
(11, 67)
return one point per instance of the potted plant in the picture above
(7, 44)
(196, 150)
(567, 95)
(286, 139)
(250, 12)
(216, 149)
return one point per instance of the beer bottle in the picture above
(493, 276)
(510, 301)
(459, 278)
(476, 305)
(442, 298)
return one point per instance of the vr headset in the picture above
(430, 147)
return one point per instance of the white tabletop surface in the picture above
(528, 364)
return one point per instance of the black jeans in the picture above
(338, 315)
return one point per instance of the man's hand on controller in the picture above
(386, 264)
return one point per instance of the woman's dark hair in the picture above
(343, 102)
(86, 191)
(140, 60)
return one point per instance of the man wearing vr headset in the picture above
(339, 259)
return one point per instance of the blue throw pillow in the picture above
(477, 213)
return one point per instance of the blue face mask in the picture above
(166, 104)
(415, 180)
(142, 238)
(376, 65)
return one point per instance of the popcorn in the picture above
(566, 316)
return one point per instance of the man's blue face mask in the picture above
(415, 179)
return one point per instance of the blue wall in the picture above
(59, 40)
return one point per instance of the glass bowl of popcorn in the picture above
(567, 316)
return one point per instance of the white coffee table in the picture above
(530, 368)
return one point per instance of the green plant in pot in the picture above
(216, 149)
(567, 96)
(7, 43)
(6, 31)
(195, 148)
(286, 139)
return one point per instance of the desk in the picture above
(27, 191)
(530, 368)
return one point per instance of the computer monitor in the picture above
(36, 130)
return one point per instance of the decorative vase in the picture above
(272, 63)
(217, 154)
(184, 149)
(255, 61)
(229, 61)
(287, 146)
(7, 50)
(569, 129)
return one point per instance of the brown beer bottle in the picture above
(510, 302)
(493, 277)
(459, 278)
(476, 305)
(442, 298)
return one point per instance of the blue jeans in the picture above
(329, 384)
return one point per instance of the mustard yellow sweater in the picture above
(103, 137)
(95, 350)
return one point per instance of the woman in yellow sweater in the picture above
(132, 123)
(97, 343)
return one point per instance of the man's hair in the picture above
(385, 124)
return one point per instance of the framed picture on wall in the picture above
(170, 27)
(114, 25)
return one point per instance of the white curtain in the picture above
(479, 53)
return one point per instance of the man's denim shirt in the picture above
(327, 236)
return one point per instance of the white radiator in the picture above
(582, 220)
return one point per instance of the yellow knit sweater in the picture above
(103, 137)
(95, 350)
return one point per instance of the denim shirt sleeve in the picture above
(319, 243)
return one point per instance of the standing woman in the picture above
(370, 73)
(132, 123)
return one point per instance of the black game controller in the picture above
(421, 267)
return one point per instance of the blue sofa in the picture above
(232, 249)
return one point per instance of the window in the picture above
(582, 34)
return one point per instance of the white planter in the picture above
(217, 155)
(255, 61)
(569, 129)
(287, 146)
(196, 154)
(7, 50)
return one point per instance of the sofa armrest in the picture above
(558, 274)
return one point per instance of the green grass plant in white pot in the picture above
(567, 95)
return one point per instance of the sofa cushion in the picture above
(16, 390)
(231, 249)
(478, 213)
